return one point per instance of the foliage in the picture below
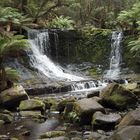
(135, 47)
(8, 45)
(12, 74)
(62, 23)
(9, 16)
(12, 44)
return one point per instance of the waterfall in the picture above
(115, 56)
(40, 43)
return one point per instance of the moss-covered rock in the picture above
(31, 114)
(32, 104)
(116, 96)
(61, 106)
(50, 103)
(7, 118)
(52, 134)
(12, 97)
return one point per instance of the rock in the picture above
(132, 118)
(127, 133)
(94, 93)
(7, 118)
(26, 133)
(99, 136)
(52, 134)
(56, 138)
(4, 137)
(13, 139)
(97, 99)
(105, 122)
(1, 122)
(85, 108)
(10, 98)
(61, 106)
(32, 114)
(116, 96)
(130, 86)
(32, 104)
(137, 92)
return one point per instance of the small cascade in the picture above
(115, 56)
(40, 44)
(88, 85)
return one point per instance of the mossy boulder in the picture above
(52, 134)
(11, 98)
(62, 104)
(105, 121)
(50, 103)
(116, 96)
(33, 104)
(31, 114)
(7, 118)
(132, 118)
(85, 108)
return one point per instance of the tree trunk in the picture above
(3, 81)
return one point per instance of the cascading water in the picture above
(40, 44)
(115, 56)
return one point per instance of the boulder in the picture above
(31, 114)
(6, 118)
(52, 134)
(132, 118)
(1, 122)
(127, 133)
(33, 104)
(105, 122)
(137, 92)
(93, 94)
(61, 106)
(116, 96)
(11, 98)
(130, 86)
(85, 108)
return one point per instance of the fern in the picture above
(62, 23)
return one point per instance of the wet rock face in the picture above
(116, 96)
(127, 133)
(85, 108)
(105, 122)
(11, 98)
(132, 118)
(32, 104)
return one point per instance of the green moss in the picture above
(118, 99)
(32, 104)
(52, 134)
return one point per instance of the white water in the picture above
(115, 56)
(39, 46)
